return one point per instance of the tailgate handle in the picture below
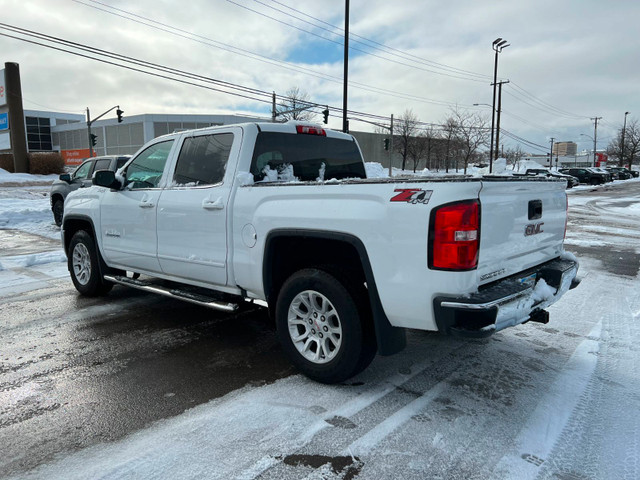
(535, 209)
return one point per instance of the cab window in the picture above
(146, 170)
(203, 160)
(83, 170)
(102, 164)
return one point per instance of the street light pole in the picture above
(624, 127)
(498, 45)
(345, 123)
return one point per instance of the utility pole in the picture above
(595, 136)
(624, 127)
(391, 149)
(273, 107)
(498, 119)
(551, 153)
(345, 123)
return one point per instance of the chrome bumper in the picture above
(507, 302)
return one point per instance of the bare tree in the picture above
(431, 138)
(294, 106)
(471, 133)
(513, 156)
(631, 144)
(418, 149)
(407, 126)
(449, 135)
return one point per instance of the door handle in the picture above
(145, 204)
(209, 204)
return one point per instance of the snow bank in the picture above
(7, 177)
(28, 209)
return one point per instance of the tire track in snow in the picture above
(545, 425)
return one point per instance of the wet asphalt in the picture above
(77, 371)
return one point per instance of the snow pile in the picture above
(29, 210)
(31, 260)
(376, 170)
(245, 178)
(284, 173)
(8, 177)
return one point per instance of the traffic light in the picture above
(94, 139)
(119, 114)
(386, 144)
(325, 112)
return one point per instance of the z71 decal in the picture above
(412, 195)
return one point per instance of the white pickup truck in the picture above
(283, 215)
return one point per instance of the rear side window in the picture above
(203, 160)
(102, 164)
(279, 156)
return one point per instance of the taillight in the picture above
(454, 236)
(310, 130)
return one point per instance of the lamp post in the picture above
(624, 127)
(498, 45)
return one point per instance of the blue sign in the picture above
(4, 121)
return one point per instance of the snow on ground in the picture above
(286, 415)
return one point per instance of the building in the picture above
(564, 149)
(125, 138)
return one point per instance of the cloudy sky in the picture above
(568, 60)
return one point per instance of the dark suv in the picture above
(585, 175)
(81, 177)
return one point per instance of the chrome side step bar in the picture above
(178, 294)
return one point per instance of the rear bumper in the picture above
(507, 302)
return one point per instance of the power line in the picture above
(542, 104)
(252, 55)
(368, 42)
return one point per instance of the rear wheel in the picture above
(58, 211)
(84, 266)
(322, 326)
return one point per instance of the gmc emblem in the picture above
(533, 229)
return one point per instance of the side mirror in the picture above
(65, 177)
(106, 178)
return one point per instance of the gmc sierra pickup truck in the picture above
(283, 216)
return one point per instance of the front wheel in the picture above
(58, 211)
(84, 266)
(321, 326)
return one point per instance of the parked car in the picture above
(634, 173)
(607, 175)
(621, 173)
(571, 180)
(80, 178)
(586, 175)
(283, 216)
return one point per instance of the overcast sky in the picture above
(568, 60)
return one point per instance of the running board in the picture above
(186, 296)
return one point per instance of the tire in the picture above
(84, 266)
(594, 181)
(58, 211)
(322, 326)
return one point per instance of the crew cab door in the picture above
(193, 208)
(128, 216)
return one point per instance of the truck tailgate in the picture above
(522, 225)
